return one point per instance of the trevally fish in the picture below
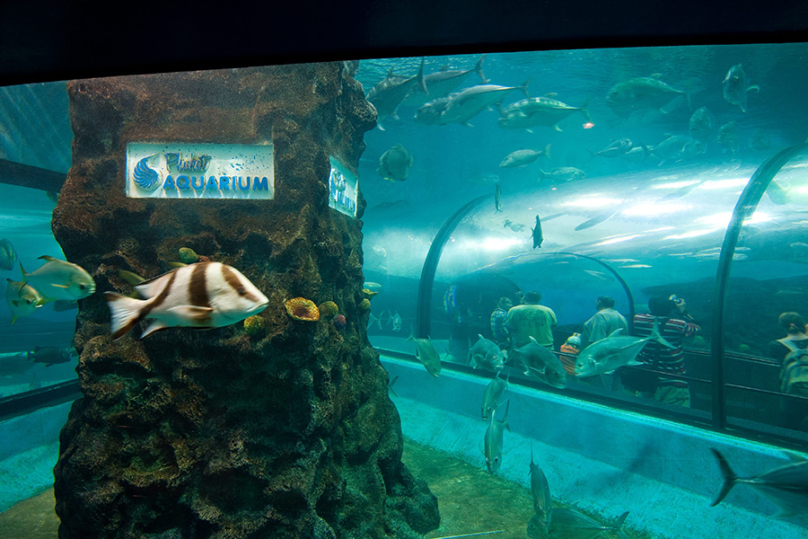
(201, 295)
(729, 136)
(539, 111)
(642, 93)
(441, 83)
(388, 94)
(395, 163)
(787, 486)
(493, 391)
(8, 256)
(486, 354)
(538, 361)
(430, 113)
(520, 158)
(540, 490)
(426, 354)
(22, 299)
(516, 227)
(677, 148)
(569, 523)
(614, 351)
(493, 440)
(618, 147)
(537, 236)
(562, 174)
(702, 124)
(735, 87)
(466, 104)
(57, 279)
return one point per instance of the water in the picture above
(634, 228)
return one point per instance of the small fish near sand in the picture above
(787, 485)
(57, 279)
(8, 256)
(570, 523)
(22, 299)
(201, 295)
(395, 163)
(540, 491)
(425, 353)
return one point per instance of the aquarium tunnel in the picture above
(645, 175)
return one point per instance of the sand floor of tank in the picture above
(470, 501)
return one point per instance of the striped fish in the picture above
(201, 295)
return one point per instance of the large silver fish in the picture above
(538, 111)
(787, 486)
(465, 105)
(538, 361)
(441, 83)
(493, 440)
(426, 354)
(391, 91)
(520, 158)
(735, 86)
(493, 391)
(201, 295)
(57, 279)
(569, 523)
(613, 352)
(485, 354)
(540, 490)
(642, 93)
(22, 299)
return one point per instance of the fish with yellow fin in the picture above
(57, 279)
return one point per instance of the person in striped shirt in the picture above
(675, 323)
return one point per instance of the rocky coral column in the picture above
(281, 430)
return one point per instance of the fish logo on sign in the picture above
(145, 176)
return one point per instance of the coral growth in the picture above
(328, 309)
(255, 326)
(302, 309)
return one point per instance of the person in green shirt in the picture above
(531, 320)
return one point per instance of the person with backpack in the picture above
(792, 350)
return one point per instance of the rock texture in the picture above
(195, 434)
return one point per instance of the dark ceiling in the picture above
(56, 40)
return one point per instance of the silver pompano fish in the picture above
(562, 174)
(426, 354)
(735, 86)
(614, 352)
(702, 124)
(538, 111)
(493, 391)
(642, 93)
(201, 295)
(57, 279)
(520, 158)
(540, 490)
(22, 299)
(787, 486)
(466, 104)
(390, 92)
(486, 354)
(541, 363)
(441, 83)
(493, 440)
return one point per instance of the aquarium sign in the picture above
(342, 188)
(194, 171)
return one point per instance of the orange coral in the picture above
(302, 309)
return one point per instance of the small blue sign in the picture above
(342, 188)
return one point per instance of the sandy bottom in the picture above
(470, 501)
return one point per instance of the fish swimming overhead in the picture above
(201, 295)
(538, 111)
(57, 279)
(441, 83)
(616, 148)
(486, 354)
(388, 94)
(466, 104)
(520, 158)
(538, 239)
(787, 486)
(539, 362)
(735, 86)
(493, 440)
(613, 352)
(642, 93)
(8, 256)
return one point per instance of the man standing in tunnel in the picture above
(531, 320)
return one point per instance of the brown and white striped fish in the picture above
(202, 295)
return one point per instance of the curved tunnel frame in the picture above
(744, 208)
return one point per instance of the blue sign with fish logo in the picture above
(342, 188)
(194, 171)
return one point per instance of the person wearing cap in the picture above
(499, 329)
(605, 322)
(660, 377)
(531, 320)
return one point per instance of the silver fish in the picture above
(202, 295)
(520, 158)
(538, 111)
(642, 93)
(562, 174)
(486, 354)
(616, 148)
(735, 86)
(540, 490)
(441, 83)
(702, 124)
(493, 391)
(8, 256)
(493, 441)
(466, 104)
(613, 352)
(426, 354)
(388, 94)
(497, 199)
(57, 279)
(787, 486)
(538, 361)
(395, 322)
(570, 523)
(22, 299)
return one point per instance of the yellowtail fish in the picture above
(57, 279)
(22, 299)
(201, 295)
(8, 256)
